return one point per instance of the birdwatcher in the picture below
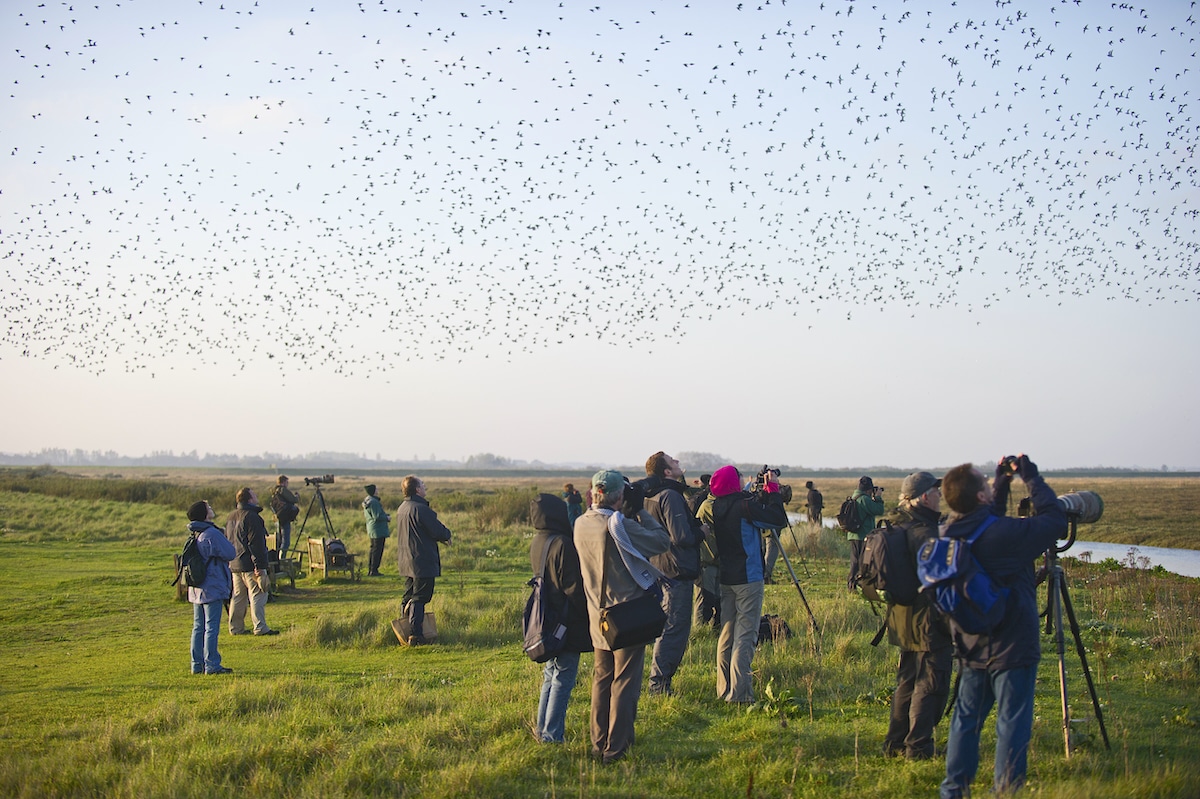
(919, 630)
(814, 503)
(609, 545)
(707, 603)
(574, 502)
(251, 566)
(208, 599)
(377, 529)
(869, 498)
(999, 668)
(418, 533)
(286, 507)
(664, 486)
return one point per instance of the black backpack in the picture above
(886, 572)
(544, 619)
(193, 566)
(848, 518)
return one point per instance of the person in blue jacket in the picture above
(999, 668)
(208, 599)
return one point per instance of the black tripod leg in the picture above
(800, 552)
(1066, 600)
(1054, 616)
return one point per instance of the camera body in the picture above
(313, 481)
(1008, 465)
(760, 482)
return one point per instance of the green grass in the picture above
(98, 700)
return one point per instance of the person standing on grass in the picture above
(553, 541)
(208, 598)
(737, 519)
(921, 632)
(607, 540)
(377, 529)
(418, 533)
(869, 499)
(814, 502)
(664, 486)
(574, 502)
(1000, 668)
(250, 566)
(286, 507)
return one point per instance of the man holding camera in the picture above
(869, 499)
(923, 673)
(999, 668)
(663, 487)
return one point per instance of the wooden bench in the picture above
(288, 564)
(319, 557)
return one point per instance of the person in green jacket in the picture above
(869, 499)
(377, 529)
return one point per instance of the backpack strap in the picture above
(983, 526)
(541, 572)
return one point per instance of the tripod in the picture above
(318, 499)
(1057, 600)
(812, 620)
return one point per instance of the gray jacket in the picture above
(596, 554)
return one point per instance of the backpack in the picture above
(334, 546)
(960, 587)
(543, 621)
(886, 572)
(848, 517)
(774, 629)
(193, 566)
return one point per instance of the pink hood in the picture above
(725, 481)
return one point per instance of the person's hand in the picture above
(1026, 469)
(1003, 470)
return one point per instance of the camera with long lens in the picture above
(1085, 507)
(760, 482)
(315, 481)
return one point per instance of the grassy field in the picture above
(98, 700)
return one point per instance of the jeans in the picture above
(670, 646)
(206, 624)
(285, 538)
(741, 612)
(1012, 693)
(558, 679)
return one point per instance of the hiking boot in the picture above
(417, 640)
(220, 670)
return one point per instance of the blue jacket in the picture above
(218, 582)
(1006, 550)
(737, 521)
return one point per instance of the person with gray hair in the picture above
(919, 630)
(607, 540)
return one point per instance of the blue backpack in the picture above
(960, 587)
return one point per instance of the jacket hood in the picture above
(652, 485)
(549, 514)
(725, 481)
(201, 526)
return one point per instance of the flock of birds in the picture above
(349, 188)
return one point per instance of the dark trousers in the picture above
(922, 688)
(376, 556)
(616, 688)
(856, 548)
(417, 592)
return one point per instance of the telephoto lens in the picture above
(1086, 506)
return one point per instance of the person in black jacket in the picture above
(664, 488)
(251, 568)
(550, 519)
(1000, 668)
(418, 533)
(926, 657)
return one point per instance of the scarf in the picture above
(641, 570)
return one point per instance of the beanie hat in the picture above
(198, 511)
(725, 481)
(865, 483)
(371, 489)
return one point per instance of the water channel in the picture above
(1179, 561)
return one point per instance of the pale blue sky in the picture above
(828, 235)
